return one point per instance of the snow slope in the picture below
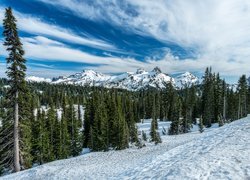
(218, 153)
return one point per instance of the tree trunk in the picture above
(16, 136)
(239, 108)
(224, 107)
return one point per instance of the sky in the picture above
(61, 37)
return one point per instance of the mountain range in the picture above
(129, 80)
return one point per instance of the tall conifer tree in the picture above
(16, 73)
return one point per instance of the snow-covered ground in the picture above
(218, 153)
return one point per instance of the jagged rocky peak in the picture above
(186, 79)
(187, 75)
(130, 81)
(157, 70)
(92, 73)
(140, 71)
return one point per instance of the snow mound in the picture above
(218, 153)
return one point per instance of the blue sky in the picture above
(61, 37)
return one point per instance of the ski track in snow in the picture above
(218, 153)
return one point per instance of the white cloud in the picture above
(77, 7)
(218, 30)
(42, 48)
(37, 26)
(50, 73)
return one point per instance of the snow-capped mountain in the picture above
(86, 78)
(129, 80)
(139, 80)
(186, 79)
(38, 79)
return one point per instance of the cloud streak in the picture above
(37, 26)
(219, 31)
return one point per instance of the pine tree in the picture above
(74, 125)
(171, 101)
(100, 128)
(88, 121)
(242, 90)
(208, 98)
(248, 97)
(64, 151)
(37, 138)
(50, 124)
(123, 131)
(187, 108)
(220, 121)
(155, 136)
(26, 119)
(6, 141)
(218, 98)
(45, 140)
(201, 126)
(224, 99)
(113, 120)
(130, 118)
(144, 136)
(232, 105)
(175, 117)
(153, 131)
(57, 140)
(16, 73)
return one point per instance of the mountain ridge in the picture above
(128, 80)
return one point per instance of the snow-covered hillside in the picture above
(218, 153)
(129, 80)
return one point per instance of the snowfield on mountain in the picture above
(128, 80)
(217, 153)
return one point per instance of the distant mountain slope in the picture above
(38, 79)
(186, 79)
(129, 80)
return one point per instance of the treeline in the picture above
(109, 121)
(52, 126)
(214, 101)
(56, 134)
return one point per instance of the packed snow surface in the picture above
(217, 153)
